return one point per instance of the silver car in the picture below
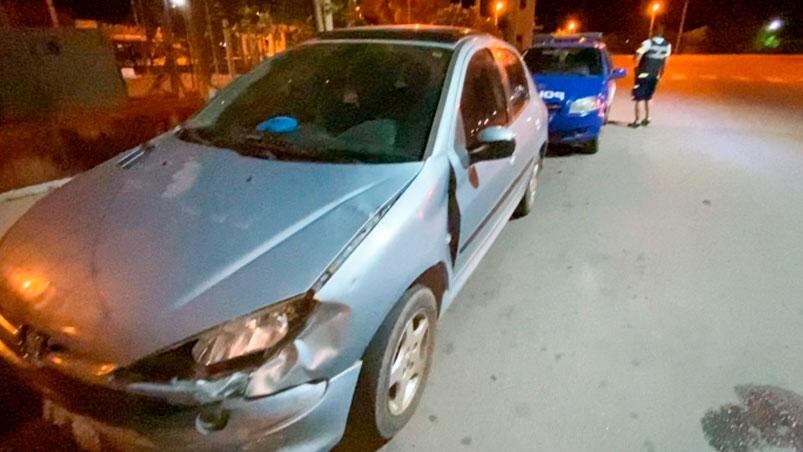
(270, 275)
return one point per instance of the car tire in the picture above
(528, 199)
(590, 147)
(404, 341)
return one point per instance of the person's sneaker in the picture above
(645, 122)
(634, 125)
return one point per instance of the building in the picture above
(519, 23)
(516, 18)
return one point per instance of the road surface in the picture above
(655, 283)
(650, 281)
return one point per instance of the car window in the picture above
(574, 61)
(330, 102)
(483, 102)
(518, 88)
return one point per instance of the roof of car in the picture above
(431, 33)
(581, 40)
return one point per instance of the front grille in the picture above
(109, 405)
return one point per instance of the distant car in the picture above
(277, 265)
(576, 79)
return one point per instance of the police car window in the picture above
(574, 61)
(483, 102)
(518, 87)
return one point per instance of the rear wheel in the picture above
(528, 200)
(590, 147)
(394, 371)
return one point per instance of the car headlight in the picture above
(584, 105)
(240, 338)
(240, 344)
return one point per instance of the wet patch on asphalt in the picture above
(766, 416)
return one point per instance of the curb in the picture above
(32, 190)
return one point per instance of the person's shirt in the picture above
(651, 57)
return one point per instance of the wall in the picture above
(519, 22)
(43, 71)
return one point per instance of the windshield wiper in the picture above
(263, 146)
(352, 156)
(193, 134)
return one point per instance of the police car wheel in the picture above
(590, 147)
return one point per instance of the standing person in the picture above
(650, 62)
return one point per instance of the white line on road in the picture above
(776, 80)
(708, 77)
(740, 78)
(678, 77)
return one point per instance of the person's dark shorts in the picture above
(644, 88)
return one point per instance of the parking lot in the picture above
(655, 283)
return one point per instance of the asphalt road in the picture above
(654, 299)
(652, 280)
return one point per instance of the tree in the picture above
(456, 15)
(380, 12)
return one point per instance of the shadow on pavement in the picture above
(21, 424)
(617, 123)
(560, 150)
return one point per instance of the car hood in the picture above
(574, 86)
(119, 262)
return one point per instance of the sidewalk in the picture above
(15, 203)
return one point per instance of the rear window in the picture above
(575, 61)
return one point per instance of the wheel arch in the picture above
(436, 278)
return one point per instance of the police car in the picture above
(576, 79)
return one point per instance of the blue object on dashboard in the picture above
(278, 124)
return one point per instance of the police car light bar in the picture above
(545, 38)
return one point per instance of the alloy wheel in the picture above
(409, 364)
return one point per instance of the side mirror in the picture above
(618, 73)
(496, 142)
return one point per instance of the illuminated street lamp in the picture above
(655, 7)
(572, 26)
(775, 25)
(498, 8)
(178, 3)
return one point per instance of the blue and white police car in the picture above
(576, 79)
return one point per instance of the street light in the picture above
(498, 7)
(682, 24)
(655, 7)
(775, 25)
(572, 26)
(178, 3)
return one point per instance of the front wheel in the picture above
(590, 147)
(394, 371)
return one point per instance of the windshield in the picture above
(575, 61)
(330, 102)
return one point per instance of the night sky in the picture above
(107, 10)
(623, 16)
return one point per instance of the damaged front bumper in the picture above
(306, 417)
(298, 400)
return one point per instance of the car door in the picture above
(524, 114)
(479, 187)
